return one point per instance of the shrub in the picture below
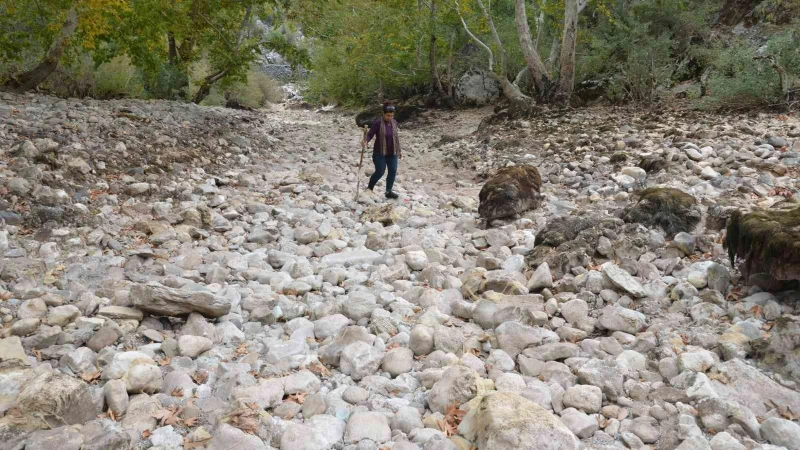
(643, 47)
(75, 78)
(169, 82)
(737, 80)
(117, 78)
(256, 91)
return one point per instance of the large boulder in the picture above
(567, 242)
(53, 399)
(477, 88)
(670, 209)
(512, 190)
(768, 239)
(507, 421)
(737, 381)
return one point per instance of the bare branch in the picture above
(496, 36)
(475, 38)
(784, 77)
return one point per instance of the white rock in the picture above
(416, 260)
(541, 278)
(586, 398)
(367, 425)
(193, 346)
(781, 432)
(623, 280)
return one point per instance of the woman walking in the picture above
(386, 151)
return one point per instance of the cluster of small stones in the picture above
(204, 279)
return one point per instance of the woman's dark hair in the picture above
(388, 107)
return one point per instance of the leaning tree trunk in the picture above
(510, 91)
(541, 79)
(34, 77)
(208, 82)
(566, 73)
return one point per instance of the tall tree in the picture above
(510, 90)
(548, 87)
(54, 26)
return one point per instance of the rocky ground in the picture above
(183, 277)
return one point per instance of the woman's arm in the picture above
(373, 130)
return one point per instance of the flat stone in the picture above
(121, 312)
(585, 398)
(617, 318)
(61, 438)
(161, 300)
(11, 350)
(623, 280)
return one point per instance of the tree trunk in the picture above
(510, 91)
(436, 80)
(208, 82)
(173, 49)
(541, 80)
(555, 50)
(419, 41)
(566, 73)
(786, 84)
(34, 77)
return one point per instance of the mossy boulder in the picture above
(512, 190)
(570, 241)
(670, 209)
(767, 239)
(653, 164)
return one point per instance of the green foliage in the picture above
(259, 90)
(169, 82)
(737, 80)
(256, 91)
(642, 47)
(117, 78)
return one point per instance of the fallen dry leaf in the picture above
(91, 376)
(241, 350)
(177, 392)
(111, 415)
(190, 422)
(37, 353)
(165, 361)
(200, 377)
(319, 369)
(188, 443)
(246, 420)
(146, 434)
(168, 416)
(452, 418)
(298, 398)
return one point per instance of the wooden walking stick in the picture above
(361, 162)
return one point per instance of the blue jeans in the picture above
(381, 163)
